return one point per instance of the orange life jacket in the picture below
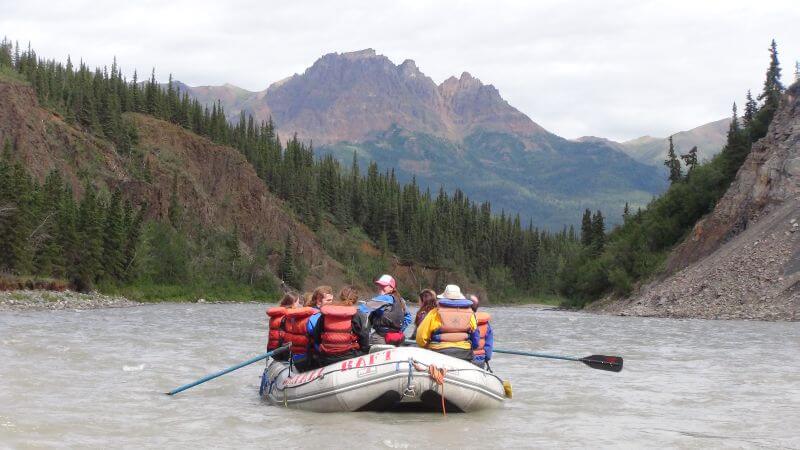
(337, 332)
(294, 329)
(455, 322)
(275, 338)
(483, 328)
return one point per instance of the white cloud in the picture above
(613, 69)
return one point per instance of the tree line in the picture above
(44, 231)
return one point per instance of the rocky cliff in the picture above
(743, 259)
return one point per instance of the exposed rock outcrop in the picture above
(743, 259)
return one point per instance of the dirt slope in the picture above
(216, 185)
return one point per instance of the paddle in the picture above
(229, 369)
(601, 362)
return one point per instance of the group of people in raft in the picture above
(323, 330)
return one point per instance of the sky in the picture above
(608, 68)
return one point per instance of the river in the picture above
(95, 379)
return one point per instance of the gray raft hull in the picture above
(382, 381)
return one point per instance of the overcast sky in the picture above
(604, 68)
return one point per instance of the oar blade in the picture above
(603, 362)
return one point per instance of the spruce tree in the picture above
(690, 159)
(587, 235)
(770, 96)
(750, 110)
(287, 269)
(773, 88)
(90, 226)
(672, 163)
(114, 239)
(598, 233)
(736, 148)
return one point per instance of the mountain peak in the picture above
(409, 68)
(465, 82)
(360, 54)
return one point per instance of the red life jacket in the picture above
(337, 332)
(483, 328)
(275, 338)
(294, 327)
(456, 316)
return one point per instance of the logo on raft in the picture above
(355, 363)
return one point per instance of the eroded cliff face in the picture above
(743, 259)
(216, 185)
(769, 177)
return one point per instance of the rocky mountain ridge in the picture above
(460, 134)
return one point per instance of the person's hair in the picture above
(308, 299)
(476, 302)
(348, 295)
(398, 299)
(427, 299)
(319, 293)
(289, 299)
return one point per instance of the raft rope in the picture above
(437, 374)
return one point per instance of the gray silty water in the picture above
(96, 379)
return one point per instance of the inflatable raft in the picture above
(388, 378)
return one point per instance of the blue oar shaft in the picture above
(538, 355)
(515, 352)
(220, 373)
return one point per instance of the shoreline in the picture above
(42, 300)
(635, 307)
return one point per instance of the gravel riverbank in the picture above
(53, 300)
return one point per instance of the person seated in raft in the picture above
(450, 328)
(308, 299)
(388, 314)
(483, 353)
(427, 301)
(296, 328)
(341, 332)
(277, 317)
(323, 295)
